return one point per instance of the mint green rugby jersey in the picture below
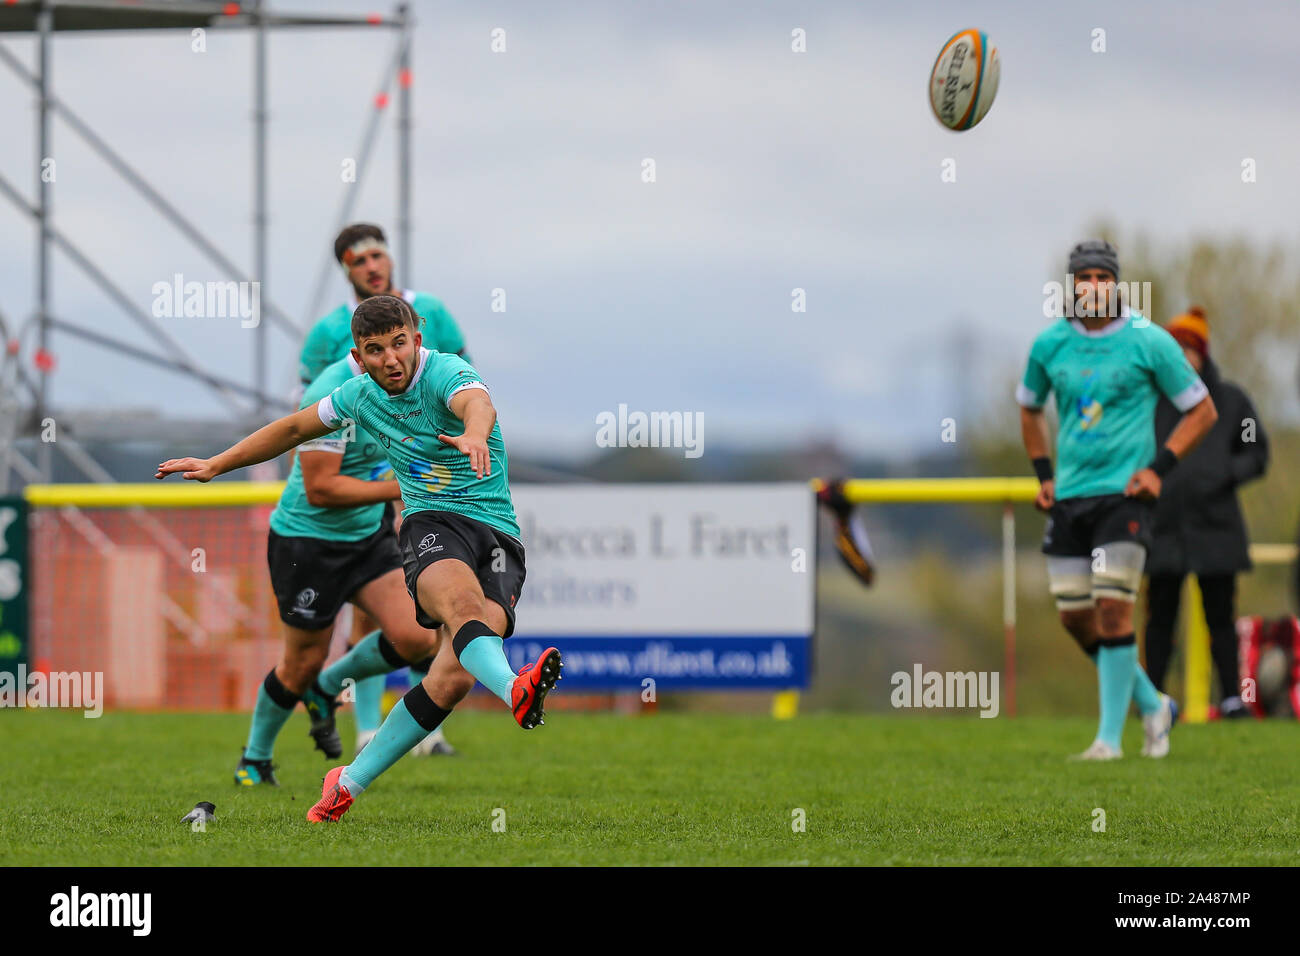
(330, 339)
(1106, 383)
(363, 458)
(433, 476)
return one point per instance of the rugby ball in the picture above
(964, 80)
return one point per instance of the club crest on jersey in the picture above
(435, 478)
(1089, 409)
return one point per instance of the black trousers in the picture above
(1218, 598)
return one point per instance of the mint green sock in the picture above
(485, 658)
(1116, 673)
(365, 664)
(365, 659)
(366, 709)
(399, 733)
(269, 718)
(1144, 692)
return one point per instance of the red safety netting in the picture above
(173, 605)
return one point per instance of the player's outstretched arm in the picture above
(269, 441)
(473, 407)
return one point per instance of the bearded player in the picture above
(362, 253)
(1107, 368)
(460, 543)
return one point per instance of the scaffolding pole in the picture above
(404, 146)
(259, 195)
(44, 26)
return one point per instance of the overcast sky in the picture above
(775, 170)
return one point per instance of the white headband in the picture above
(358, 247)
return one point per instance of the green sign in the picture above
(13, 584)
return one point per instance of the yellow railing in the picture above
(938, 490)
(172, 493)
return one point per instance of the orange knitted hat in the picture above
(1191, 330)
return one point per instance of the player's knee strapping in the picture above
(1070, 581)
(1117, 571)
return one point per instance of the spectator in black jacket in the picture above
(1199, 528)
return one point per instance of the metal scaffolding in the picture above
(45, 18)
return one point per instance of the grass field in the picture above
(662, 789)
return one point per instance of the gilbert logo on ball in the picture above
(964, 79)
